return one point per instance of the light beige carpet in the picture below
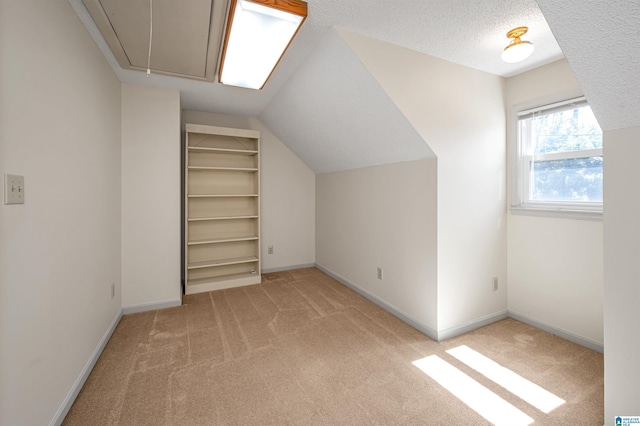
(302, 349)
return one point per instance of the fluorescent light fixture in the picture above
(258, 33)
(518, 50)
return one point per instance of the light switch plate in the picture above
(13, 189)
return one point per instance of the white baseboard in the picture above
(424, 329)
(288, 268)
(468, 326)
(471, 325)
(567, 335)
(151, 306)
(86, 370)
(84, 374)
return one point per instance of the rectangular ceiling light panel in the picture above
(258, 33)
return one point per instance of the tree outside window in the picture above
(560, 148)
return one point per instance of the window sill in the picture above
(563, 213)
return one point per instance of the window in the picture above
(559, 158)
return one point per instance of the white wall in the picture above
(287, 205)
(622, 273)
(555, 265)
(459, 112)
(60, 251)
(287, 202)
(150, 197)
(383, 216)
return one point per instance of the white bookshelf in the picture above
(222, 208)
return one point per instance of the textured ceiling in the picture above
(601, 42)
(599, 38)
(308, 114)
(467, 32)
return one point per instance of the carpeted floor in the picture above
(301, 349)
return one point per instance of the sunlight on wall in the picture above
(479, 398)
(526, 390)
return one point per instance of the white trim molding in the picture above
(151, 306)
(423, 328)
(567, 335)
(287, 268)
(449, 333)
(558, 213)
(84, 374)
(471, 325)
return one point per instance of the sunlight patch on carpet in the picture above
(483, 401)
(526, 390)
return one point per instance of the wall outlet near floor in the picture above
(380, 273)
(270, 250)
(113, 290)
(495, 283)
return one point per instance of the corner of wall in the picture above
(398, 313)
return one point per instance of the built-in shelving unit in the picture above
(222, 208)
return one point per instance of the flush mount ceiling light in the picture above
(258, 33)
(518, 50)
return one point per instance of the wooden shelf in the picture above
(222, 262)
(230, 277)
(221, 240)
(223, 150)
(222, 195)
(198, 219)
(199, 285)
(231, 169)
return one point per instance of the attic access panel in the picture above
(186, 34)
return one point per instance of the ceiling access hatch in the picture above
(186, 34)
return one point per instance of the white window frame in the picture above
(521, 203)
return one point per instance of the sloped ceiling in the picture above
(466, 32)
(601, 41)
(334, 115)
(321, 101)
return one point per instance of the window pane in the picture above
(578, 179)
(570, 130)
